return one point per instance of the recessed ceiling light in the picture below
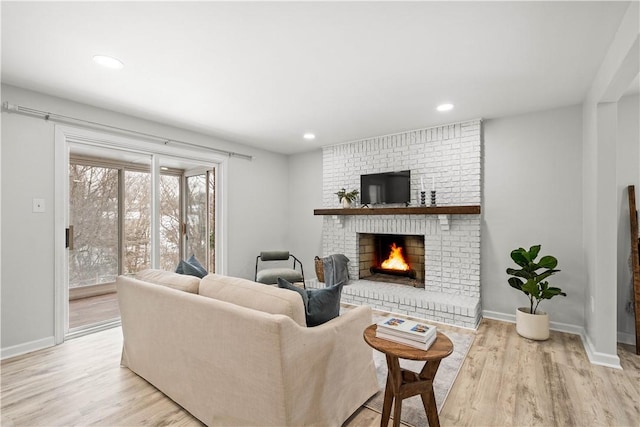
(309, 136)
(445, 107)
(108, 61)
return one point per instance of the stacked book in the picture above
(407, 332)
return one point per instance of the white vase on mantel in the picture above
(532, 326)
(346, 204)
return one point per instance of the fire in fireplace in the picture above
(394, 264)
(396, 260)
(392, 258)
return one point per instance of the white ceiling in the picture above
(264, 73)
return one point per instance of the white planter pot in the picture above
(532, 326)
(346, 203)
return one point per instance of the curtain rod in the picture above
(13, 108)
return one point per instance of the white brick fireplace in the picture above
(450, 156)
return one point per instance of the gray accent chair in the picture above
(269, 276)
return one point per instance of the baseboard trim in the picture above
(596, 358)
(554, 326)
(28, 347)
(496, 315)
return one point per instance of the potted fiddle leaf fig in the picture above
(530, 279)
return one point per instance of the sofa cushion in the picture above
(257, 296)
(172, 280)
(321, 305)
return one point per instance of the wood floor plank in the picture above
(505, 380)
(493, 388)
(92, 310)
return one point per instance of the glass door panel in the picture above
(170, 229)
(94, 242)
(200, 226)
(196, 218)
(137, 221)
(93, 213)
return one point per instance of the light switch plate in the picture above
(38, 205)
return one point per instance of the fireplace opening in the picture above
(392, 258)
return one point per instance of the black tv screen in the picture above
(385, 188)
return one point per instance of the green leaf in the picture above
(532, 266)
(548, 262)
(546, 274)
(516, 283)
(533, 252)
(519, 273)
(531, 288)
(518, 256)
(557, 291)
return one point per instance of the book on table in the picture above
(409, 342)
(408, 329)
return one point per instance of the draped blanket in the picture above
(335, 269)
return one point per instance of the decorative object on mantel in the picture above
(530, 322)
(346, 198)
(433, 197)
(422, 193)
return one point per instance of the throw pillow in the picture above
(196, 264)
(320, 305)
(191, 267)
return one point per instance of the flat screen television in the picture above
(385, 188)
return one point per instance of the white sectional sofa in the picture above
(234, 352)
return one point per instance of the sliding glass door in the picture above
(110, 224)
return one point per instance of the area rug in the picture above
(412, 408)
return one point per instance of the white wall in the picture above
(628, 173)
(532, 195)
(305, 189)
(27, 238)
(258, 201)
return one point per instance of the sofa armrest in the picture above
(328, 366)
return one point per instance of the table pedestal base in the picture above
(403, 383)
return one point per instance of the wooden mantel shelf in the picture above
(417, 210)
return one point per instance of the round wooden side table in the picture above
(403, 383)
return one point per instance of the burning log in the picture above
(403, 273)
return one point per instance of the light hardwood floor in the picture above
(505, 381)
(92, 310)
